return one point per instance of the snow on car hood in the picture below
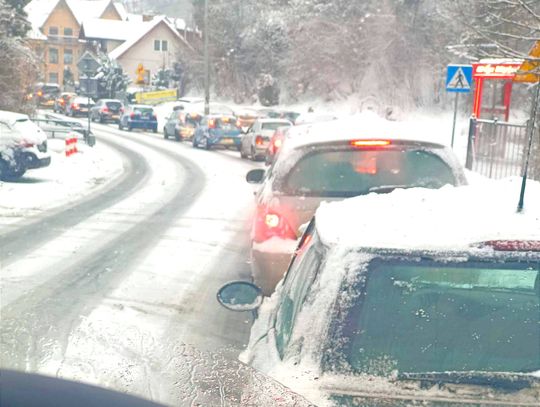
(451, 218)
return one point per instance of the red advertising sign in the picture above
(502, 70)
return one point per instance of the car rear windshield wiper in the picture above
(383, 189)
(497, 380)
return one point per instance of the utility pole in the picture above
(206, 62)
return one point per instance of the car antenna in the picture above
(530, 128)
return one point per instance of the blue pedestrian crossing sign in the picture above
(459, 78)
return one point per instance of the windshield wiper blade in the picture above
(498, 380)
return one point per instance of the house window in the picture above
(68, 32)
(53, 30)
(53, 77)
(157, 44)
(68, 56)
(164, 45)
(53, 55)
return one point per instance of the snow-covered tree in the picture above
(19, 70)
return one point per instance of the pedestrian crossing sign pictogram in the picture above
(459, 78)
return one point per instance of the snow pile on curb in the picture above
(66, 180)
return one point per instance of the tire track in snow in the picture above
(23, 240)
(34, 325)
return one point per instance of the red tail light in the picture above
(259, 140)
(75, 106)
(370, 143)
(269, 223)
(132, 116)
(238, 123)
(121, 110)
(212, 123)
(105, 110)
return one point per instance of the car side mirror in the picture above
(240, 296)
(255, 176)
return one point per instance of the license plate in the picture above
(115, 116)
(227, 141)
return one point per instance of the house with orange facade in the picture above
(56, 26)
(64, 31)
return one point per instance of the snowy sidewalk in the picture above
(66, 180)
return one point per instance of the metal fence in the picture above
(498, 149)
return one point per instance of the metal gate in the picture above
(498, 149)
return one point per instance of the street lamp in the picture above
(206, 62)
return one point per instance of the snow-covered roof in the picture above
(134, 17)
(111, 29)
(121, 10)
(119, 51)
(451, 218)
(39, 10)
(366, 125)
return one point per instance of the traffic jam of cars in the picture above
(379, 274)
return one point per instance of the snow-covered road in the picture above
(107, 289)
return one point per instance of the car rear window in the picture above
(358, 172)
(273, 126)
(439, 317)
(227, 123)
(144, 111)
(114, 105)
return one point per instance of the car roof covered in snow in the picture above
(449, 219)
(364, 126)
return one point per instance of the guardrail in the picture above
(63, 129)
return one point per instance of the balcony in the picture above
(62, 40)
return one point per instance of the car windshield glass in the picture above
(445, 316)
(357, 172)
(273, 125)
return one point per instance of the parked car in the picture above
(325, 162)
(45, 94)
(256, 141)
(23, 145)
(107, 110)
(276, 141)
(217, 130)
(61, 102)
(432, 299)
(181, 124)
(79, 106)
(138, 117)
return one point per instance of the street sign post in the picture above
(89, 87)
(458, 80)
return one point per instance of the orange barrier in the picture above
(71, 146)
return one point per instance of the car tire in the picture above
(194, 143)
(165, 134)
(205, 145)
(253, 154)
(120, 127)
(154, 130)
(101, 119)
(129, 128)
(242, 154)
